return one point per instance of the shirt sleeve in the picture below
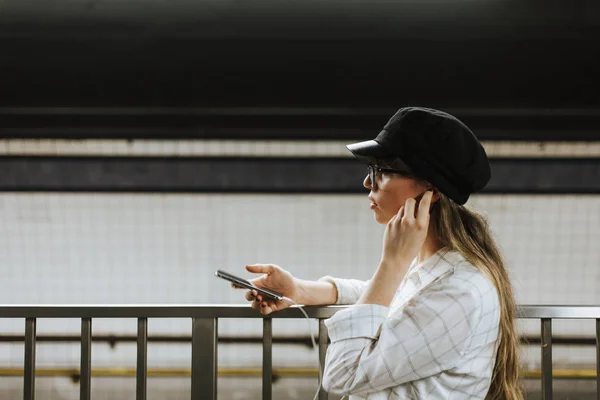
(348, 290)
(371, 351)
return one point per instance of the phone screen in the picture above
(244, 283)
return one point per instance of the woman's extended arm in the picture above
(325, 291)
(315, 293)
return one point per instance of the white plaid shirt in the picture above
(437, 340)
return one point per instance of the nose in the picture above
(367, 182)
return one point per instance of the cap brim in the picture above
(368, 151)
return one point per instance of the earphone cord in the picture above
(314, 342)
(312, 338)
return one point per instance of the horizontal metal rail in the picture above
(241, 311)
(156, 311)
(247, 372)
(114, 339)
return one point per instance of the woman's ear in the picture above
(436, 194)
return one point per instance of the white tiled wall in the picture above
(105, 248)
(110, 249)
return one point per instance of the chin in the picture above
(380, 219)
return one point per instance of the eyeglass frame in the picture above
(372, 171)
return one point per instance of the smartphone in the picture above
(244, 283)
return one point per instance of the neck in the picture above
(431, 245)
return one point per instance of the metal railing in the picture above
(113, 339)
(205, 338)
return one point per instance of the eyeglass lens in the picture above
(372, 172)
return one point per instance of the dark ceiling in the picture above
(347, 54)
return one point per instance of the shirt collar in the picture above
(442, 261)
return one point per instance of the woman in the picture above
(437, 318)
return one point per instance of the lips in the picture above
(373, 203)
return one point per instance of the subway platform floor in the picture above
(231, 389)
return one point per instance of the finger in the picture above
(250, 296)
(424, 205)
(260, 268)
(409, 208)
(398, 215)
(266, 308)
(401, 211)
(256, 305)
(233, 285)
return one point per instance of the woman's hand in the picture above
(405, 233)
(276, 279)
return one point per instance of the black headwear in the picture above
(436, 146)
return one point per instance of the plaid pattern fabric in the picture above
(437, 340)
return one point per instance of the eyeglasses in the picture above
(372, 170)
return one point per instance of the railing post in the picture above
(142, 359)
(29, 362)
(267, 372)
(546, 359)
(204, 358)
(598, 358)
(86, 359)
(323, 337)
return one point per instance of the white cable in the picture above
(312, 338)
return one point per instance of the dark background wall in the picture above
(309, 70)
(357, 54)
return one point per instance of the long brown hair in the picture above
(467, 232)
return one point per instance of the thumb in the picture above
(260, 268)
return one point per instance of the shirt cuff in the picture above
(362, 320)
(338, 289)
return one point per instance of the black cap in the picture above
(436, 146)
